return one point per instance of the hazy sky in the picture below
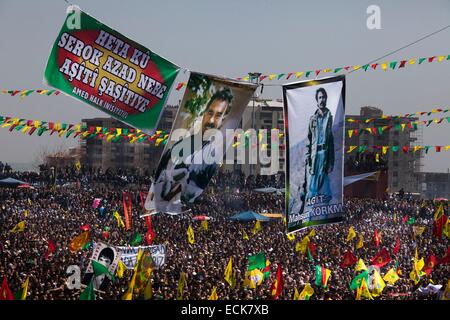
(232, 38)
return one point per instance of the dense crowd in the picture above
(57, 213)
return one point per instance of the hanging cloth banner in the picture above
(314, 129)
(210, 106)
(103, 68)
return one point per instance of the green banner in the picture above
(101, 67)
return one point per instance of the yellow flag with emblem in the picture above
(351, 234)
(129, 293)
(120, 269)
(253, 278)
(312, 233)
(190, 234)
(439, 213)
(378, 284)
(296, 294)
(302, 245)
(360, 243)
(213, 295)
(20, 227)
(307, 292)
(391, 276)
(257, 227)
(360, 265)
(418, 230)
(363, 291)
(291, 236)
(228, 272)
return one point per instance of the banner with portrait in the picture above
(107, 255)
(314, 128)
(101, 67)
(129, 255)
(199, 139)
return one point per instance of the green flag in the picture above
(257, 261)
(356, 282)
(88, 293)
(137, 239)
(411, 220)
(100, 269)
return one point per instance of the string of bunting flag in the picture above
(405, 149)
(398, 117)
(399, 126)
(84, 132)
(391, 65)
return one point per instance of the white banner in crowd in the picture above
(129, 255)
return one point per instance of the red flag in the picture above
(126, 198)
(381, 258)
(349, 259)
(143, 196)
(405, 219)
(86, 227)
(312, 248)
(278, 284)
(397, 246)
(446, 259)
(150, 235)
(51, 248)
(377, 237)
(5, 292)
(438, 226)
(105, 234)
(430, 264)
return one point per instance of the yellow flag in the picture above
(291, 236)
(312, 233)
(307, 292)
(418, 230)
(181, 285)
(25, 213)
(119, 220)
(391, 276)
(213, 295)
(244, 235)
(24, 289)
(351, 234)
(129, 293)
(360, 265)
(78, 165)
(20, 227)
(204, 225)
(79, 242)
(257, 227)
(190, 234)
(29, 201)
(120, 269)
(253, 278)
(446, 294)
(303, 245)
(363, 291)
(360, 243)
(446, 229)
(228, 272)
(378, 284)
(148, 291)
(439, 212)
(296, 295)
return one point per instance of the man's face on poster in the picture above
(213, 117)
(321, 100)
(106, 261)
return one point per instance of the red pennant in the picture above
(402, 64)
(5, 292)
(317, 72)
(430, 59)
(289, 75)
(438, 148)
(397, 246)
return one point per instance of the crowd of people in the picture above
(56, 213)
